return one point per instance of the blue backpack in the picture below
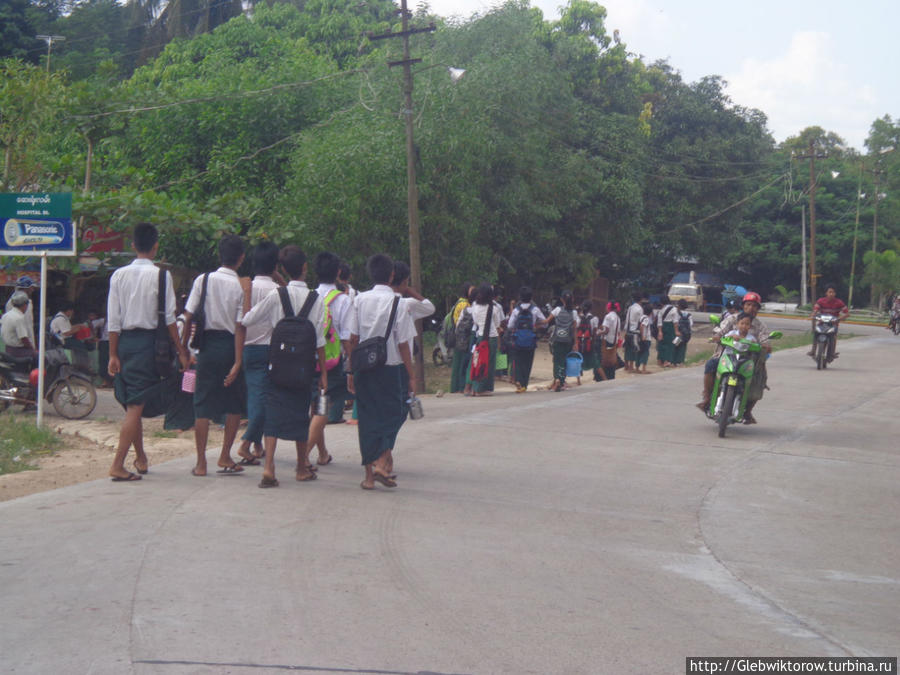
(525, 337)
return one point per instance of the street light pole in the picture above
(50, 39)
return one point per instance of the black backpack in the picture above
(684, 325)
(292, 350)
(464, 328)
(565, 327)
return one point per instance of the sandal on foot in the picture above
(249, 461)
(387, 481)
(366, 487)
(308, 477)
(141, 471)
(125, 479)
(232, 470)
(268, 482)
(327, 461)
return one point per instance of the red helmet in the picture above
(752, 297)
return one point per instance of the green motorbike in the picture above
(733, 375)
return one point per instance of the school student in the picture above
(646, 331)
(287, 409)
(484, 300)
(632, 331)
(343, 278)
(665, 330)
(524, 320)
(564, 319)
(380, 392)
(255, 352)
(219, 388)
(459, 367)
(610, 331)
(132, 316)
(586, 340)
(337, 341)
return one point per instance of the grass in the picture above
(21, 440)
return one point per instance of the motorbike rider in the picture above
(15, 330)
(829, 304)
(760, 332)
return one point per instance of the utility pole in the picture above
(803, 254)
(855, 231)
(412, 195)
(812, 156)
(50, 39)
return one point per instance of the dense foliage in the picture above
(559, 153)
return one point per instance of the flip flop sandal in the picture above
(327, 461)
(232, 470)
(249, 461)
(384, 480)
(125, 479)
(366, 487)
(267, 482)
(143, 472)
(309, 477)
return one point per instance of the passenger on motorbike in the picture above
(758, 331)
(830, 304)
(14, 329)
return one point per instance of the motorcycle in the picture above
(825, 332)
(440, 355)
(69, 390)
(728, 401)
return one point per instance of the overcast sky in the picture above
(803, 63)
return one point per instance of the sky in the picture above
(825, 63)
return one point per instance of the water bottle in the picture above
(415, 407)
(322, 403)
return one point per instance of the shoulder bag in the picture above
(481, 354)
(164, 351)
(372, 352)
(199, 339)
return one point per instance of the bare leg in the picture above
(243, 450)
(201, 436)
(131, 429)
(389, 462)
(269, 464)
(303, 468)
(369, 481)
(141, 463)
(317, 438)
(232, 422)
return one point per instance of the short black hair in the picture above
(145, 237)
(681, 304)
(586, 306)
(743, 315)
(231, 248)
(343, 271)
(65, 305)
(647, 307)
(380, 268)
(636, 296)
(293, 259)
(401, 272)
(327, 266)
(525, 294)
(831, 287)
(484, 294)
(265, 258)
(568, 299)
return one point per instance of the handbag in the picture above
(481, 354)
(163, 349)
(198, 340)
(371, 353)
(609, 355)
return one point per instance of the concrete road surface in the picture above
(601, 530)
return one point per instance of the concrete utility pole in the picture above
(859, 197)
(412, 195)
(812, 156)
(50, 39)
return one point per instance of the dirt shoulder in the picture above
(88, 445)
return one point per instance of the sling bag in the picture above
(372, 352)
(198, 341)
(163, 349)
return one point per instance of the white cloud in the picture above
(805, 86)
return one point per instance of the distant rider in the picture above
(834, 306)
(760, 332)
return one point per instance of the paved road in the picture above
(601, 530)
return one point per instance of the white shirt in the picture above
(369, 317)
(645, 328)
(633, 317)
(260, 287)
(29, 316)
(60, 324)
(14, 327)
(671, 315)
(417, 309)
(100, 330)
(132, 301)
(536, 313)
(268, 311)
(611, 327)
(338, 308)
(224, 299)
(479, 316)
(556, 310)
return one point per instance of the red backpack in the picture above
(584, 336)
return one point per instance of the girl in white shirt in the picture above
(484, 299)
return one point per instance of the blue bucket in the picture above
(573, 364)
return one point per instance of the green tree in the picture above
(882, 272)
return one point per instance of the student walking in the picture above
(524, 320)
(665, 331)
(633, 317)
(586, 340)
(462, 348)
(217, 301)
(684, 327)
(132, 314)
(646, 332)
(610, 330)
(564, 319)
(255, 352)
(487, 317)
(378, 385)
(288, 395)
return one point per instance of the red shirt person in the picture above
(830, 304)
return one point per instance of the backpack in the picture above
(565, 324)
(525, 337)
(332, 342)
(464, 329)
(584, 337)
(684, 325)
(448, 330)
(292, 349)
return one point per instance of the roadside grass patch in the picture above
(21, 440)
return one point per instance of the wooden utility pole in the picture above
(50, 39)
(412, 195)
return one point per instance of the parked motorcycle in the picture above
(826, 326)
(728, 401)
(70, 390)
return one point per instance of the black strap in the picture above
(161, 301)
(667, 310)
(390, 325)
(487, 322)
(202, 307)
(286, 303)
